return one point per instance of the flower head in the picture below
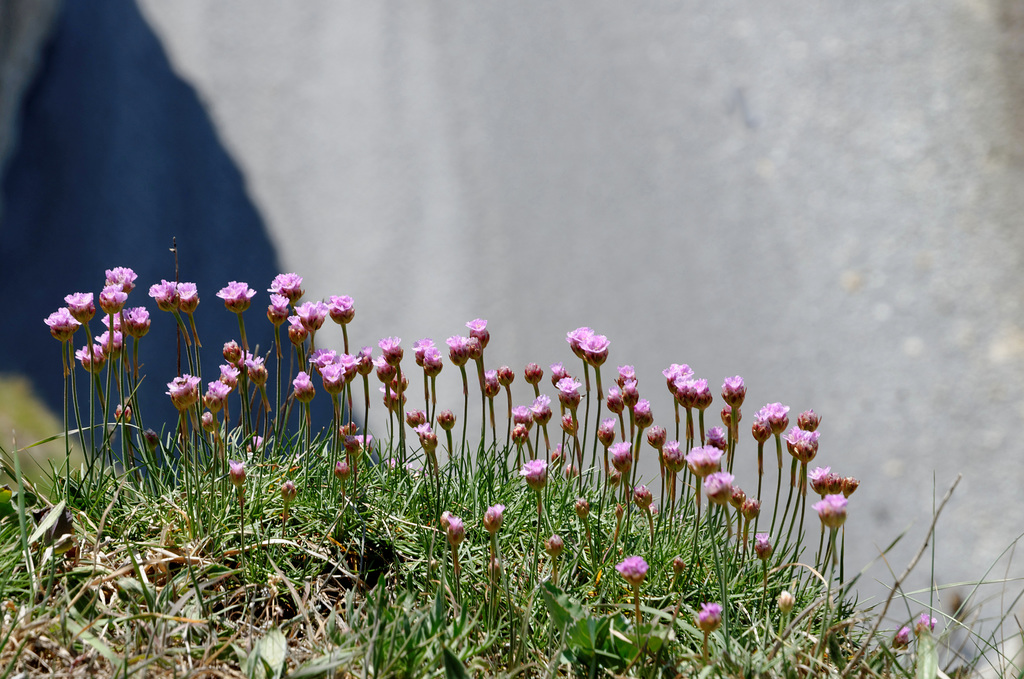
(924, 622)
(229, 375)
(456, 530)
(184, 391)
(236, 472)
(536, 473)
(718, 487)
(622, 456)
(606, 432)
(303, 385)
(763, 546)
(642, 413)
(341, 309)
(808, 420)
(802, 444)
(278, 310)
(902, 638)
(216, 395)
(554, 546)
(342, 470)
(288, 492)
(136, 321)
(287, 285)
(734, 391)
(633, 569)
(188, 297)
(642, 497)
(62, 324)
(236, 296)
(478, 329)
(704, 460)
(777, 415)
(492, 518)
(576, 337)
(533, 373)
(595, 350)
(541, 409)
(568, 392)
(709, 617)
(626, 373)
(94, 361)
(112, 299)
(675, 372)
(491, 386)
(81, 306)
(312, 315)
(831, 510)
(656, 436)
(673, 456)
(122, 277)
(165, 293)
(458, 349)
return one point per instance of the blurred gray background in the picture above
(823, 197)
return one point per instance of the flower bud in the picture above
(493, 518)
(642, 497)
(446, 420)
(582, 508)
(533, 373)
(456, 531)
(678, 566)
(208, 421)
(232, 352)
(763, 546)
(342, 470)
(288, 492)
(786, 602)
(415, 418)
(506, 375)
(902, 638)
(808, 420)
(553, 546)
(656, 437)
(236, 472)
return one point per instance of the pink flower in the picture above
(626, 373)
(622, 456)
(704, 460)
(761, 429)
(321, 358)
(111, 344)
(642, 497)
(718, 487)
(492, 518)
(136, 321)
(333, 376)
(122, 277)
(229, 375)
(734, 391)
(92, 362)
(278, 310)
(216, 395)
(165, 293)
(558, 372)
(675, 372)
(633, 569)
(287, 285)
(554, 546)
(777, 415)
(506, 376)
(236, 296)
(297, 332)
(802, 444)
(420, 348)
(257, 370)
(188, 297)
(491, 386)
(808, 420)
(458, 349)
(232, 353)
(606, 432)
(673, 456)
(576, 338)
(541, 409)
(81, 306)
(536, 473)
(568, 392)
(184, 391)
(819, 480)
(62, 324)
(312, 315)
(522, 415)
(432, 362)
(478, 329)
(456, 530)
(709, 617)
(717, 438)
(428, 439)
(595, 350)
(763, 546)
(831, 510)
(533, 373)
(924, 622)
(341, 309)
(303, 386)
(642, 413)
(615, 402)
(236, 472)
(342, 470)
(112, 299)
(902, 638)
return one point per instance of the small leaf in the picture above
(273, 649)
(453, 667)
(48, 522)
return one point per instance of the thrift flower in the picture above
(522, 415)
(902, 638)
(493, 518)
(633, 569)
(777, 415)
(614, 401)
(506, 376)
(216, 395)
(554, 546)
(81, 306)
(568, 392)
(558, 373)
(165, 293)
(831, 510)
(420, 347)
(541, 409)
(236, 472)
(136, 321)
(717, 438)
(803, 445)
(924, 622)
(278, 310)
(710, 617)
(342, 470)
(673, 456)
(287, 285)
(456, 530)
(734, 391)
(478, 329)
(606, 432)
(446, 420)
(533, 373)
(718, 487)
(122, 277)
(491, 386)
(818, 478)
(622, 456)
(312, 315)
(92, 362)
(536, 473)
(642, 413)
(576, 338)
(229, 375)
(458, 349)
(808, 420)
(184, 391)
(257, 370)
(656, 436)
(341, 309)
(112, 299)
(62, 324)
(595, 350)
(236, 296)
(626, 373)
(704, 460)
(188, 297)
(763, 546)
(675, 372)
(642, 497)
(303, 385)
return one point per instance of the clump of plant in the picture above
(538, 546)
